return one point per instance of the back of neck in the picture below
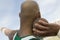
(26, 28)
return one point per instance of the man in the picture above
(29, 12)
(40, 28)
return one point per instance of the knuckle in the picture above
(34, 29)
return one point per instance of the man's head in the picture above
(29, 11)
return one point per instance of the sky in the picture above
(9, 13)
(50, 9)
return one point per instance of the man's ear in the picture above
(38, 15)
(19, 14)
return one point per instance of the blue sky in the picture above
(9, 13)
(50, 9)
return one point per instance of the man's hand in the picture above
(42, 28)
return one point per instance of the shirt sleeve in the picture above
(58, 34)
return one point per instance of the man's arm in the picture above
(42, 28)
(8, 32)
(57, 37)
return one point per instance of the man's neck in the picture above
(25, 29)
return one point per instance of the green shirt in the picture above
(26, 38)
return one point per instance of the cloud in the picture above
(8, 12)
(8, 15)
(9, 9)
(49, 9)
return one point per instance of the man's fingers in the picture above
(38, 32)
(44, 20)
(40, 27)
(43, 23)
